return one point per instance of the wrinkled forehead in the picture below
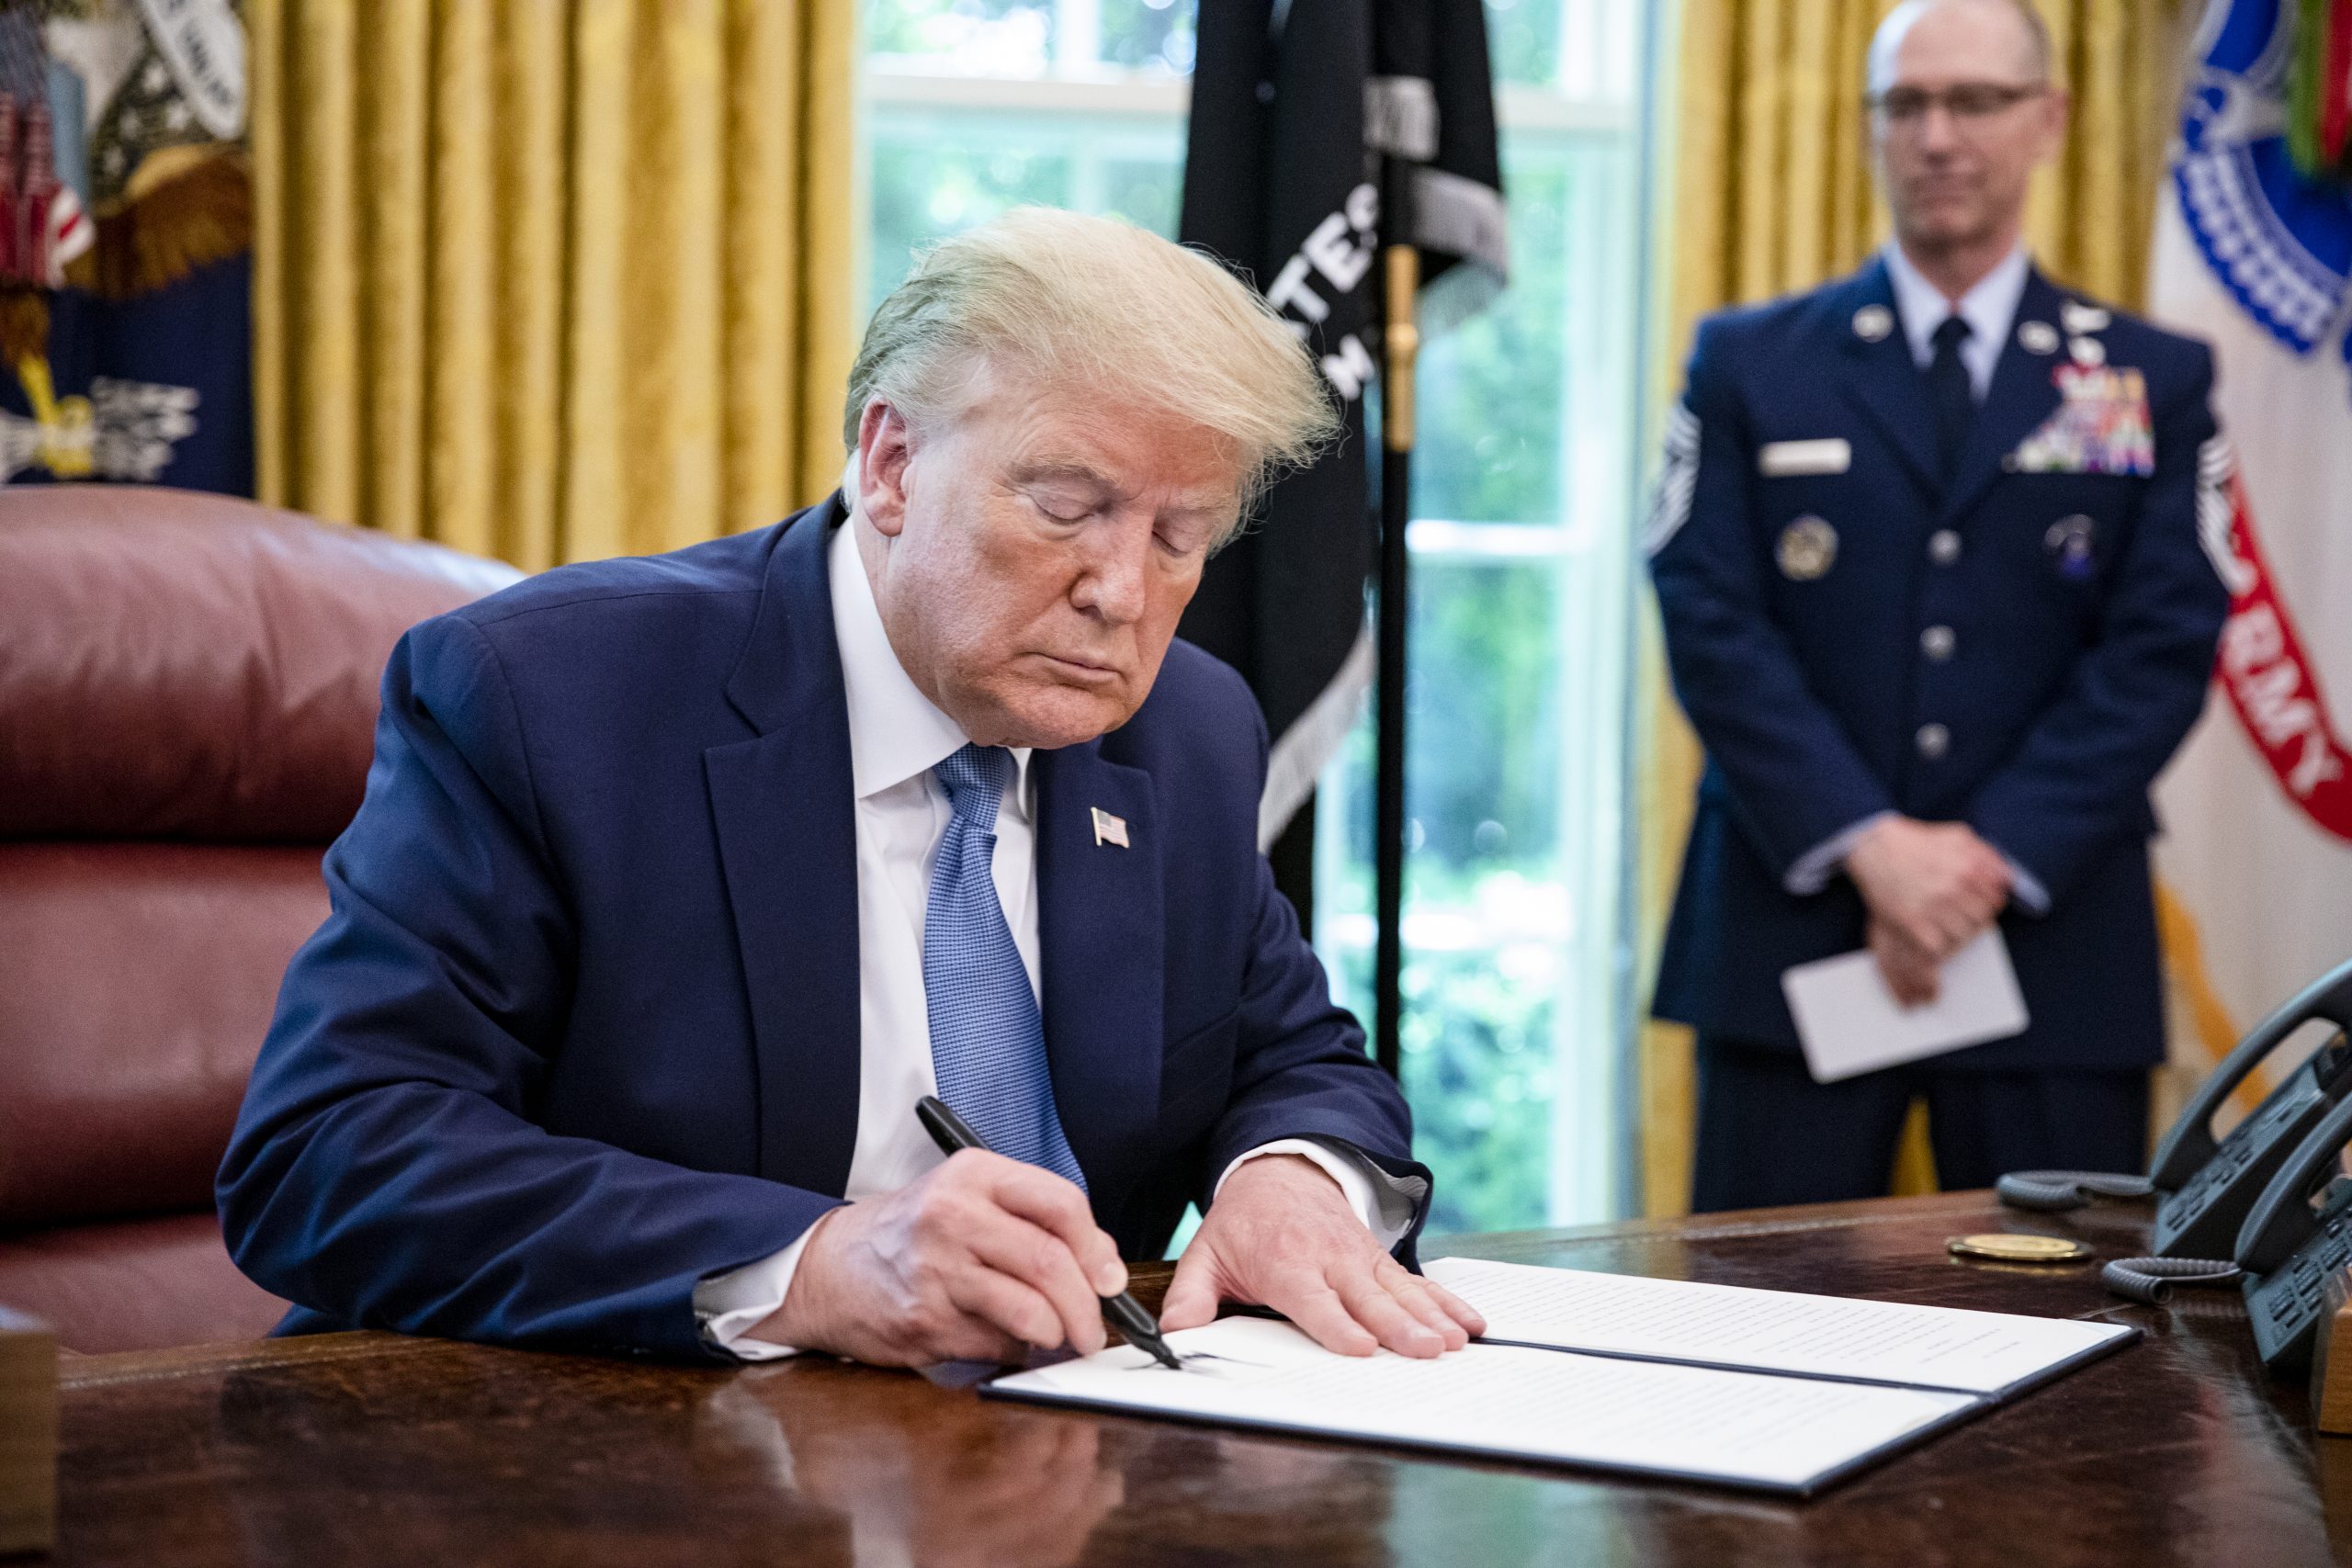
(1933, 42)
(1090, 433)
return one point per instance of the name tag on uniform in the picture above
(1780, 459)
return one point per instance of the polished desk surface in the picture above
(373, 1448)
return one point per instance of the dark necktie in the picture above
(1949, 389)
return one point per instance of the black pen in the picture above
(951, 1133)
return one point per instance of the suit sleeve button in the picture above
(1934, 740)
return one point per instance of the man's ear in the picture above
(2057, 109)
(884, 447)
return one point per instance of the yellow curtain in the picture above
(552, 279)
(1772, 193)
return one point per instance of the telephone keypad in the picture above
(2286, 1305)
(2184, 1227)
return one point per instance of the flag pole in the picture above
(1400, 343)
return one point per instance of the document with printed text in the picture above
(1743, 1387)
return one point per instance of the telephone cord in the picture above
(2151, 1279)
(2148, 1280)
(2053, 1191)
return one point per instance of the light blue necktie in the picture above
(987, 1041)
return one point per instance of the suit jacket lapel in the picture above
(1101, 943)
(1884, 384)
(2022, 394)
(785, 806)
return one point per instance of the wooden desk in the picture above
(367, 1449)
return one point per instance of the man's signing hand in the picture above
(979, 1258)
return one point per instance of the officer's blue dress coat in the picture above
(2078, 614)
(581, 1029)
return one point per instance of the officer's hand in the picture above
(1910, 972)
(976, 1260)
(1937, 883)
(1281, 1235)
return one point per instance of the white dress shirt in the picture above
(1990, 309)
(896, 736)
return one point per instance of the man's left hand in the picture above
(1912, 972)
(1281, 1235)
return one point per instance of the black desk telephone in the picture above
(2297, 1236)
(2269, 1195)
(2206, 1189)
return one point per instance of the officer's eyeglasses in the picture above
(1970, 103)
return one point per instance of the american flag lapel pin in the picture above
(1108, 829)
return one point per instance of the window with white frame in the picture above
(1515, 926)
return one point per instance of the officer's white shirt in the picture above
(1990, 309)
(896, 736)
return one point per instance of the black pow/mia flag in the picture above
(1293, 104)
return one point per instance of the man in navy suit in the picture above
(1928, 557)
(679, 880)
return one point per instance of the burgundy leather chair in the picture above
(187, 706)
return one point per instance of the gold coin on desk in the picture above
(2008, 1248)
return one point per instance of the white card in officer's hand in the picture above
(1849, 1022)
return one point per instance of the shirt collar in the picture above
(895, 732)
(1990, 308)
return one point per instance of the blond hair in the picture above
(1098, 303)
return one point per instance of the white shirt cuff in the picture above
(1385, 1204)
(1814, 868)
(2025, 888)
(730, 1305)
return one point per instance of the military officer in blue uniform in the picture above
(1927, 552)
